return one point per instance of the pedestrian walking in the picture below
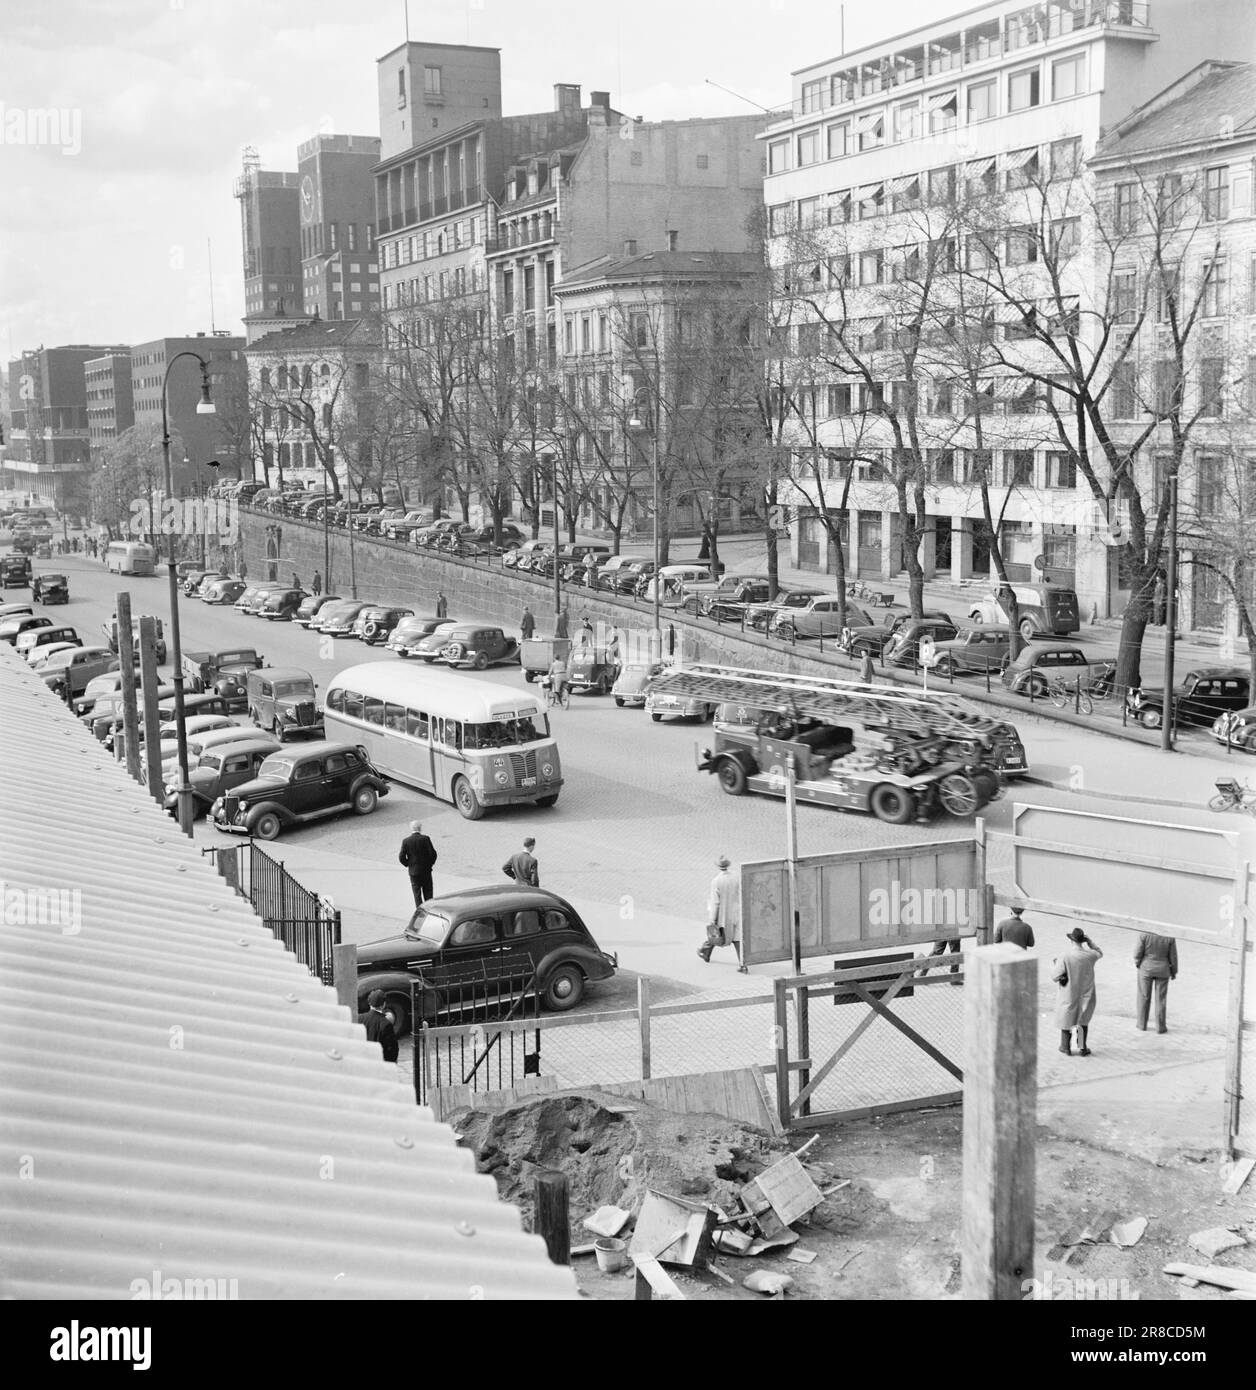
(590, 566)
(418, 854)
(1075, 1003)
(1015, 929)
(866, 667)
(244, 569)
(296, 580)
(522, 866)
(442, 605)
(1156, 960)
(562, 624)
(940, 948)
(586, 634)
(724, 913)
(316, 584)
(379, 1025)
(527, 624)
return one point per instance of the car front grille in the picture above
(523, 765)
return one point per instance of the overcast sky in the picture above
(104, 231)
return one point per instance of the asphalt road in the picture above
(634, 836)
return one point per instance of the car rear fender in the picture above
(398, 981)
(368, 779)
(743, 757)
(590, 963)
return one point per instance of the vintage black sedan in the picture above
(525, 935)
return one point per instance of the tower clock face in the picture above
(307, 199)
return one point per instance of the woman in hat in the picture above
(1075, 1004)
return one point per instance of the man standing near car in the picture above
(418, 854)
(527, 624)
(522, 867)
(442, 605)
(316, 584)
(379, 1026)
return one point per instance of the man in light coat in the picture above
(1156, 960)
(724, 913)
(1075, 1002)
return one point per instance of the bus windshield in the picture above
(528, 729)
(427, 926)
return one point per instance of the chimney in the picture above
(630, 246)
(567, 98)
(602, 99)
(672, 239)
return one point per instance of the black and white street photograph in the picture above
(627, 669)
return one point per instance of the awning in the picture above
(1017, 159)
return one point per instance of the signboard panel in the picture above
(908, 895)
(1163, 875)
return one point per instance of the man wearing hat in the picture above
(724, 913)
(1014, 929)
(1075, 1003)
(379, 1025)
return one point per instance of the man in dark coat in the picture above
(1156, 960)
(561, 624)
(527, 624)
(379, 1025)
(418, 854)
(522, 866)
(442, 606)
(1015, 929)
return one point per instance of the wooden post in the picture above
(148, 693)
(1234, 1011)
(552, 1220)
(126, 666)
(1000, 1111)
(780, 992)
(344, 974)
(643, 1020)
(985, 893)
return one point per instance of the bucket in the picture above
(610, 1252)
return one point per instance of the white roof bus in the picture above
(464, 740)
(130, 557)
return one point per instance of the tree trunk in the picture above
(1133, 630)
(770, 537)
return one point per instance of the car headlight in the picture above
(289, 714)
(502, 779)
(547, 770)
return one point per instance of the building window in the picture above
(636, 159)
(401, 87)
(1125, 296)
(808, 212)
(1066, 157)
(1019, 466)
(1216, 194)
(639, 330)
(872, 202)
(943, 112)
(586, 334)
(872, 131)
(907, 121)
(1021, 170)
(1210, 484)
(1213, 300)
(1124, 202)
(1211, 387)
(838, 140)
(1061, 471)
(1023, 89)
(1066, 235)
(942, 186)
(980, 101)
(1022, 246)
(703, 161)
(1068, 77)
(780, 219)
(1168, 387)
(1124, 391)
(808, 148)
(778, 156)
(839, 399)
(813, 96)
(431, 82)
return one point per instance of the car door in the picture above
(523, 943)
(307, 788)
(474, 946)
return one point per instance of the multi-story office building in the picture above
(201, 437)
(339, 269)
(110, 407)
(270, 227)
(1193, 149)
(49, 447)
(981, 105)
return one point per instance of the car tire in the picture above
(481, 662)
(564, 989)
(1038, 686)
(945, 667)
(277, 730)
(892, 804)
(619, 704)
(732, 777)
(547, 801)
(465, 799)
(365, 800)
(1249, 743)
(977, 617)
(529, 676)
(369, 633)
(1028, 629)
(398, 1005)
(267, 826)
(658, 718)
(1151, 718)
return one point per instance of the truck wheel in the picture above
(398, 1005)
(944, 667)
(267, 827)
(619, 702)
(466, 801)
(732, 777)
(959, 794)
(1151, 718)
(550, 800)
(891, 804)
(1028, 629)
(977, 617)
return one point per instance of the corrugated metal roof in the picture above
(178, 1093)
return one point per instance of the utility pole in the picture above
(1170, 621)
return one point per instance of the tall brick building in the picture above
(270, 228)
(339, 264)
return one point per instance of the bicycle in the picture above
(552, 697)
(1064, 693)
(1233, 797)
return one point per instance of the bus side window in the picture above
(416, 724)
(373, 710)
(453, 733)
(353, 704)
(336, 701)
(395, 718)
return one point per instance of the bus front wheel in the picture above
(466, 801)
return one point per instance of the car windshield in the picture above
(293, 688)
(428, 926)
(212, 761)
(506, 733)
(280, 769)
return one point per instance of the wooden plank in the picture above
(643, 1022)
(344, 974)
(708, 1005)
(126, 668)
(653, 1280)
(1239, 1174)
(553, 1216)
(851, 1039)
(1120, 920)
(1240, 1279)
(1000, 1105)
(1107, 856)
(784, 1110)
(1233, 1099)
(770, 1121)
(148, 693)
(890, 1108)
(907, 1030)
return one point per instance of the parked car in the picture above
(1040, 663)
(429, 648)
(194, 726)
(220, 769)
(698, 593)
(537, 654)
(191, 582)
(110, 628)
(633, 681)
(1199, 699)
(50, 588)
(410, 632)
(223, 592)
(820, 616)
(732, 603)
(222, 673)
(17, 610)
(512, 536)
(1237, 728)
(12, 628)
(479, 647)
(659, 706)
(375, 622)
(15, 571)
(523, 556)
(284, 700)
(867, 635)
(202, 742)
(331, 610)
(40, 657)
(1046, 610)
(193, 705)
(279, 606)
(30, 641)
(591, 670)
(486, 931)
(338, 620)
(632, 577)
(311, 607)
(376, 521)
(759, 616)
(252, 604)
(403, 527)
(296, 786)
(903, 648)
(977, 649)
(105, 717)
(73, 668)
(443, 526)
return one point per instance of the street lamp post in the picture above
(1170, 621)
(635, 422)
(205, 406)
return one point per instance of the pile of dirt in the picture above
(612, 1151)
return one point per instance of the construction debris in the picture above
(1128, 1232)
(1239, 1174)
(1241, 1280)
(802, 1257)
(787, 1189)
(764, 1281)
(607, 1221)
(673, 1231)
(1212, 1242)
